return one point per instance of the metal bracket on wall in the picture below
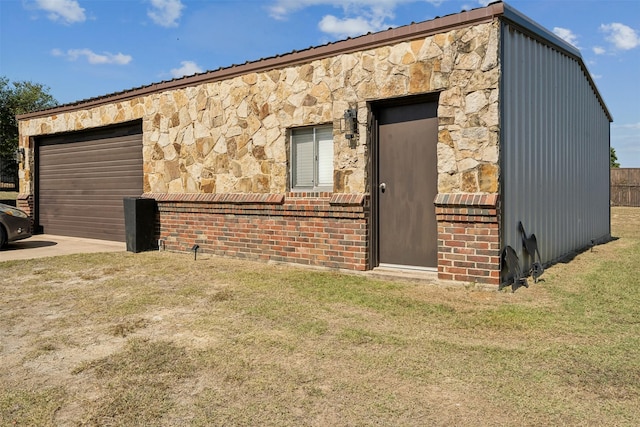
(530, 244)
(511, 264)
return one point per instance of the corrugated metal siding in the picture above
(554, 150)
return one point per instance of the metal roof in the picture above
(350, 45)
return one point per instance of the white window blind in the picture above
(324, 138)
(312, 158)
(303, 158)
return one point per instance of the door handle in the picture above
(383, 187)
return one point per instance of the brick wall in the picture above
(468, 238)
(306, 228)
(322, 229)
(25, 202)
(325, 230)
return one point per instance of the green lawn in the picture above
(160, 339)
(8, 195)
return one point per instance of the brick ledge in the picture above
(236, 198)
(337, 199)
(347, 199)
(466, 199)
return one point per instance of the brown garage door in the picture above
(82, 179)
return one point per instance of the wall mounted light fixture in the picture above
(350, 128)
(19, 155)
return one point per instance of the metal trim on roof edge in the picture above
(542, 34)
(392, 35)
(368, 41)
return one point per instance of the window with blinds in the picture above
(312, 158)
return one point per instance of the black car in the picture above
(14, 225)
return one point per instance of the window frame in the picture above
(316, 158)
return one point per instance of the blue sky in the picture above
(87, 48)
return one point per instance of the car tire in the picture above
(3, 237)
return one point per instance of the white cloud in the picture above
(165, 12)
(629, 126)
(68, 11)
(485, 2)
(188, 68)
(92, 57)
(279, 9)
(360, 16)
(566, 35)
(599, 50)
(348, 27)
(621, 36)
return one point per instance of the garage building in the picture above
(428, 147)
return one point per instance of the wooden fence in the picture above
(625, 187)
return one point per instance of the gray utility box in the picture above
(140, 224)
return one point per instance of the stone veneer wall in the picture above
(231, 136)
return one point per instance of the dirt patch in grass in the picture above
(157, 338)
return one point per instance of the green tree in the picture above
(613, 159)
(19, 98)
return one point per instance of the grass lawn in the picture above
(160, 339)
(8, 195)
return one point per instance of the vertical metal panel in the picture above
(554, 150)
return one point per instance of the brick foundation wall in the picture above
(468, 238)
(306, 228)
(25, 202)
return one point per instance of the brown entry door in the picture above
(407, 185)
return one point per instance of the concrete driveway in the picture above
(46, 245)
